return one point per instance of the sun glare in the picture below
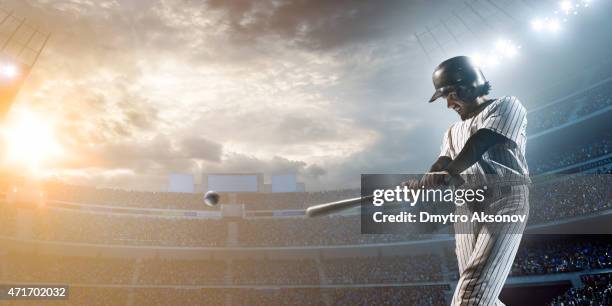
(29, 140)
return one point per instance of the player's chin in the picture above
(463, 115)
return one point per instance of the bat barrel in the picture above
(332, 207)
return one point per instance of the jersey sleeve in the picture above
(445, 149)
(508, 118)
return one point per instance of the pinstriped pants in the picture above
(486, 251)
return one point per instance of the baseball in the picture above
(211, 198)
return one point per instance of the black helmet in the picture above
(456, 72)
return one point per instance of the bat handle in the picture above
(328, 208)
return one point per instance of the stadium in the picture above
(128, 246)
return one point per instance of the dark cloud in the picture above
(314, 171)
(103, 178)
(243, 163)
(201, 148)
(157, 156)
(319, 24)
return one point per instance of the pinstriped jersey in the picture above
(505, 116)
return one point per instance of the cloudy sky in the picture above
(136, 90)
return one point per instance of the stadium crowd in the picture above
(599, 99)
(283, 296)
(318, 231)
(420, 295)
(374, 270)
(597, 290)
(182, 272)
(562, 197)
(32, 268)
(69, 225)
(546, 256)
(7, 220)
(292, 200)
(554, 160)
(570, 108)
(178, 296)
(536, 256)
(275, 272)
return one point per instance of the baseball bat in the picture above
(332, 207)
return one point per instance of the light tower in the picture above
(21, 43)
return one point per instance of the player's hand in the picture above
(411, 184)
(436, 179)
(440, 179)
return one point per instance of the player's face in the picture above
(461, 107)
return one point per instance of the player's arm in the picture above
(504, 123)
(441, 164)
(473, 150)
(445, 169)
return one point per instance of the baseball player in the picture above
(487, 148)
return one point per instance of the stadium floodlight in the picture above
(506, 48)
(488, 60)
(477, 58)
(8, 70)
(492, 61)
(566, 6)
(502, 44)
(510, 52)
(553, 25)
(537, 24)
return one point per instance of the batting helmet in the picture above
(454, 73)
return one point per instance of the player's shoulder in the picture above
(506, 103)
(508, 100)
(450, 129)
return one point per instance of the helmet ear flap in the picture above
(470, 93)
(464, 93)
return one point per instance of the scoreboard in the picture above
(251, 182)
